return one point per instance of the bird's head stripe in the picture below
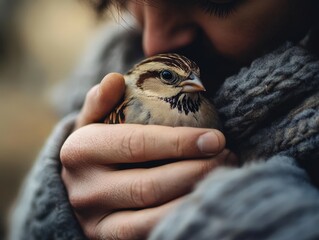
(172, 60)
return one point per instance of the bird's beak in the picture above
(192, 84)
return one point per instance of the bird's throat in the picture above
(184, 102)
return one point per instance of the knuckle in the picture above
(69, 154)
(94, 228)
(123, 231)
(82, 199)
(89, 230)
(78, 201)
(144, 192)
(74, 151)
(134, 145)
(178, 146)
(114, 230)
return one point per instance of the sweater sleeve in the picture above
(42, 209)
(264, 200)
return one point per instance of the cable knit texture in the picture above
(271, 200)
(272, 107)
(270, 110)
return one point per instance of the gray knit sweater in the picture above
(271, 120)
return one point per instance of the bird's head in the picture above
(166, 75)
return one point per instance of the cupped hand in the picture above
(112, 202)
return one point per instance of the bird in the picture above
(165, 89)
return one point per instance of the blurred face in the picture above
(220, 35)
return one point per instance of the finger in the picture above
(127, 143)
(127, 224)
(101, 99)
(106, 191)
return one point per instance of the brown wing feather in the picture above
(118, 115)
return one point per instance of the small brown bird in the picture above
(165, 90)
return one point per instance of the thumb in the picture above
(101, 99)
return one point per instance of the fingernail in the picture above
(207, 143)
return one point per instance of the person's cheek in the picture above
(234, 40)
(255, 27)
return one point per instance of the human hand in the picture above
(101, 99)
(126, 204)
(112, 202)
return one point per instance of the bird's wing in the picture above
(118, 115)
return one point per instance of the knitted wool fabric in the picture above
(272, 107)
(271, 200)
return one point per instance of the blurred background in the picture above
(40, 43)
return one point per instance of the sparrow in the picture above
(165, 89)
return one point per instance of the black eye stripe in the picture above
(156, 74)
(170, 60)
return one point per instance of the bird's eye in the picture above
(167, 75)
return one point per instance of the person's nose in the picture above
(165, 30)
